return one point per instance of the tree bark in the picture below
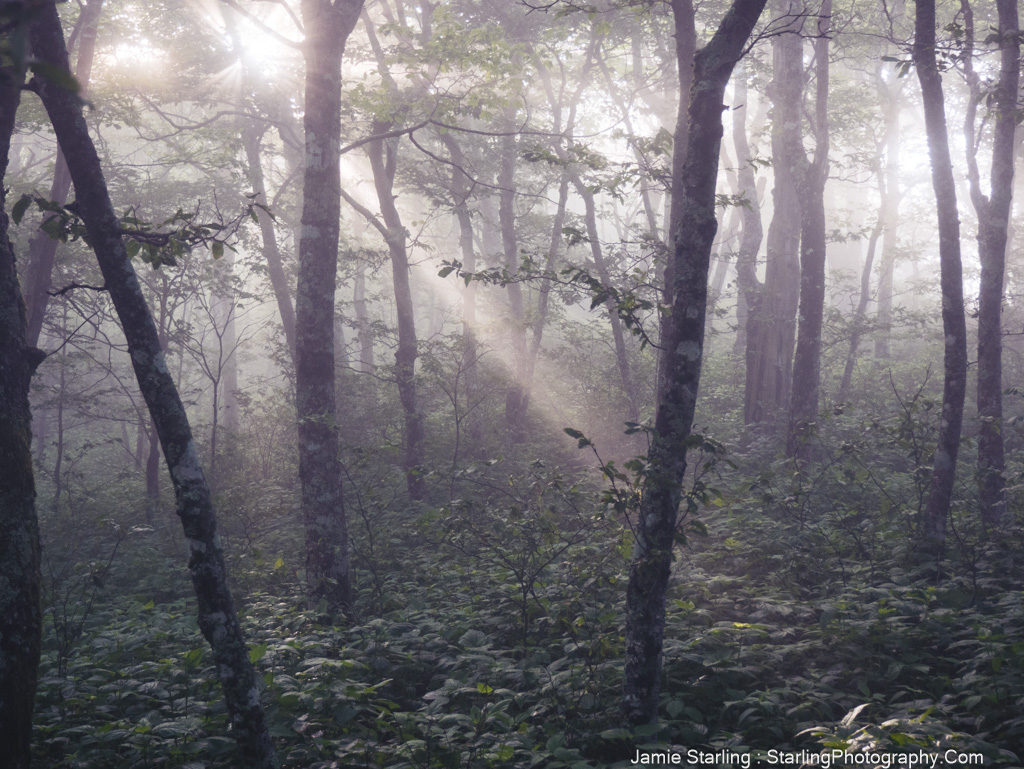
(812, 176)
(682, 349)
(217, 617)
(42, 249)
(328, 25)
(752, 232)
(518, 396)
(271, 250)
(954, 325)
(383, 155)
(773, 316)
(993, 214)
(21, 619)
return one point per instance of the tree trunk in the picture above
(460, 190)
(618, 337)
(954, 325)
(518, 397)
(328, 26)
(21, 619)
(383, 155)
(682, 355)
(993, 222)
(747, 284)
(812, 177)
(862, 307)
(893, 97)
(772, 319)
(217, 617)
(42, 249)
(271, 251)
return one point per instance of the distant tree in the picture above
(682, 346)
(772, 320)
(954, 325)
(812, 174)
(20, 613)
(218, 619)
(993, 212)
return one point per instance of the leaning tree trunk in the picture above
(328, 26)
(682, 355)
(21, 619)
(42, 249)
(954, 325)
(217, 617)
(993, 222)
(803, 409)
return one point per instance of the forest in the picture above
(511, 383)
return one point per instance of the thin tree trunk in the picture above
(618, 337)
(862, 307)
(517, 398)
(383, 155)
(747, 284)
(217, 617)
(891, 202)
(770, 348)
(42, 249)
(271, 251)
(812, 176)
(993, 223)
(682, 353)
(21, 619)
(954, 325)
(460, 190)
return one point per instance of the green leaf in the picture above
(19, 209)
(258, 652)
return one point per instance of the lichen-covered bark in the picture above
(682, 347)
(217, 617)
(993, 221)
(954, 325)
(20, 614)
(328, 25)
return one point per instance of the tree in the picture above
(812, 175)
(218, 619)
(772, 317)
(328, 25)
(993, 213)
(682, 346)
(954, 325)
(21, 618)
